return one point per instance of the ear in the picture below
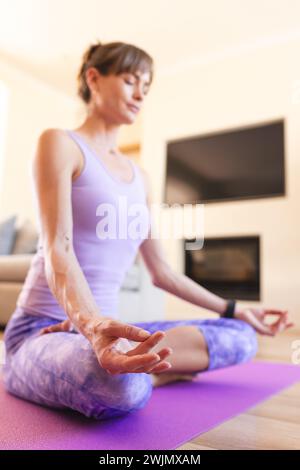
(92, 77)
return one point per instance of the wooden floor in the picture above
(274, 424)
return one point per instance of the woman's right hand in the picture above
(117, 360)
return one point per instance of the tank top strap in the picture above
(89, 153)
(77, 139)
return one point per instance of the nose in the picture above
(138, 94)
(137, 99)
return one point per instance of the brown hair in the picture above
(112, 58)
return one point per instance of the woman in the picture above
(65, 347)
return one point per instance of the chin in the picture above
(129, 118)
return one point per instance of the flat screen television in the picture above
(241, 163)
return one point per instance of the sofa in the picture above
(139, 299)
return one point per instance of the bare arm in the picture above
(53, 166)
(176, 283)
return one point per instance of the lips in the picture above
(133, 108)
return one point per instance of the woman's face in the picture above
(115, 96)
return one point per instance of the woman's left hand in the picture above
(256, 318)
(64, 326)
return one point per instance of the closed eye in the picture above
(145, 90)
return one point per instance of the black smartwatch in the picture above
(229, 312)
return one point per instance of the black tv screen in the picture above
(242, 163)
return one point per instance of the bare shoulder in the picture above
(54, 136)
(55, 144)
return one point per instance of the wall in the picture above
(257, 86)
(32, 107)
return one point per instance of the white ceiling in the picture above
(48, 37)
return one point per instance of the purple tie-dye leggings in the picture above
(60, 370)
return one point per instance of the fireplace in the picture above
(227, 266)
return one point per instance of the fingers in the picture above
(146, 346)
(280, 325)
(275, 312)
(274, 328)
(123, 330)
(66, 325)
(282, 314)
(112, 360)
(161, 364)
(161, 367)
(139, 359)
(260, 326)
(148, 343)
(115, 362)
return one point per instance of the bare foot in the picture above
(163, 379)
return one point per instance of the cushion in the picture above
(26, 238)
(14, 268)
(7, 235)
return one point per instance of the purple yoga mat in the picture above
(175, 413)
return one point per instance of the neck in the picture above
(103, 134)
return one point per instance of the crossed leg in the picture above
(189, 354)
(202, 344)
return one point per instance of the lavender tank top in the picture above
(110, 221)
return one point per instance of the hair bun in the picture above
(91, 51)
